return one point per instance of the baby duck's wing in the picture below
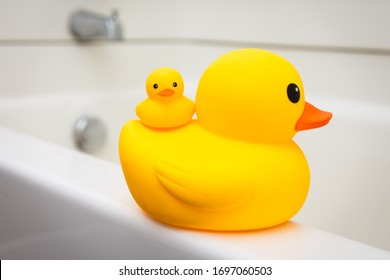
(211, 186)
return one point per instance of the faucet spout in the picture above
(87, 26)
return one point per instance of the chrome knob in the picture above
(89, 133)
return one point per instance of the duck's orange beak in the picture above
(166, 92)
(312, 117)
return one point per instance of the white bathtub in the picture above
(53, 198)
(52, 118)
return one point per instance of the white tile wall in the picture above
(347, 23)
(37, 53)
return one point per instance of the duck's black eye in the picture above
(175, 84)
(293, 93)
(155, 85)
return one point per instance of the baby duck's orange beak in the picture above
(166, 92)
(312, 117)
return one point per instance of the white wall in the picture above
(349, 23)
(341, 48)
(36, 46)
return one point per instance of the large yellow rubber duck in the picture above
(165, 106)
(236, 167)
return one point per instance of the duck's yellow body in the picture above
(193, 178)
(236, 167)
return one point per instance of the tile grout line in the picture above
(195, 42)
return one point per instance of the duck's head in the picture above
(255, 95)
(164, 84)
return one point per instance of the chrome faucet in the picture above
(87, 26)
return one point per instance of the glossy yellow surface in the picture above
(165, 106)
(236, 167)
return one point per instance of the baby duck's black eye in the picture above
(155, 85)
(293, 93)
(175, 84)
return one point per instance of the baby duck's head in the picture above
(164, 84)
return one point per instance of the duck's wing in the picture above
(211, 186)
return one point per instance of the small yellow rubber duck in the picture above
(165, 106)
(236, 167)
